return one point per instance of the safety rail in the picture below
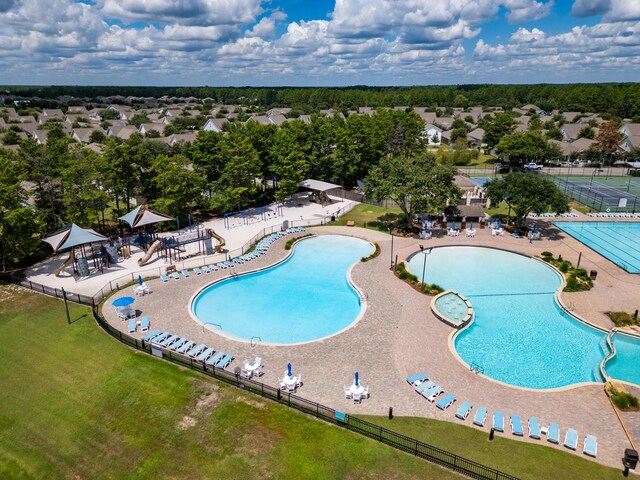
(612, 353)
(474, 367)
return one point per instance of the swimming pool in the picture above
(520, 335)
(305, 298)
(619, 242)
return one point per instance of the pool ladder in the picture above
(255, 340)
(474, 367)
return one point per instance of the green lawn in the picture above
(376, 218)
(78, 404)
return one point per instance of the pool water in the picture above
(520, 335)
(452, 306)
(624, 365)
(619, 242)
(305, 298)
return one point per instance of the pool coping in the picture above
(362, 298)
(456, 332)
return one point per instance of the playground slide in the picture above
(65, 264)
(220, 240)
(147, 256)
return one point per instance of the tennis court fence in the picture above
(598, 196)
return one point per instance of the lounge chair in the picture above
(213, 268)
(417, 379)
(144, 324)
(178, 343)
(498, 421)
(225, 361)
(186, 347)
(185, 272)
(175, 275)
(222, 265)
(238, 260)
(164, 277)
(571, 439)
(133, 324)
(215, 359)
(347, 392)
(197, 271)
(204, 355)
(433, 393)
(480, 417)
(151, 335)
(516, 425)
(515, 235)
(169, 340)
(229, 264)
(446, 401)
(425, 386)
(463, 410)
(553, 434)
(590, 445)
(160, 338)
(206, 269)
(196, 350)
(534, 428)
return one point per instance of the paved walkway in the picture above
(399, 336)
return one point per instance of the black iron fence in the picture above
(388, 437)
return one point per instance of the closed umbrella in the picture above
(289, 369)
(356, 382)
(139, 279)
(123, 301)
(453, 225)
(499, 224)
(471, 226)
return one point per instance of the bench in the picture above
(351, 223)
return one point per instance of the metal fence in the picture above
(585, 194)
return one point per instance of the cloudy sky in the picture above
(317, 42)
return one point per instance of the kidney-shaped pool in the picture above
(305, 298)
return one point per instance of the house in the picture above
(277, 118)
(476, 137)
(49, 113)
(433, 134)
(181, 137)
(261, 119)
(146, 128)
(444, 122)
(125, 113)
(445, 137)
(573, 150)
(571, 131)
(570, 117)
(366, 111)
(282, 111)
(83, 135)
(305, 118)
(121, 132)
(428, 117)
(215, 125)
(78, 110)
(630, 136)
(93, 115)
(40, 136)
(589, 118)
(28, 128)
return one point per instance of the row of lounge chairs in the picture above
(613, 215)
(553, 215)
(261, 249)
(431, 392)
(200, 353)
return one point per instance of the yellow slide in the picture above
(65, 264)
(220, 240)
(147, 256)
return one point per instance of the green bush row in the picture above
(623, 400)
(375, 253)
(403, 274)
(577, 279)
(290, 242)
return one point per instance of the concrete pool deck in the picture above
(399, 336)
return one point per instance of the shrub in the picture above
(622, 319)
(564, 266)
(623, 400)
(290, 242)
(547, 254)
(375, 253)
(404, 274)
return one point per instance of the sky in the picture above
(317, 42)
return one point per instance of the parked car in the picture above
(533, 166)
(501, 168)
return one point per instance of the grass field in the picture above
(376, 218)
(78, 404)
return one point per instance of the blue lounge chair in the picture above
(238, 260)
(178, 343)
(169, 340)
(215, 359)
(553, 434)
(144, 324)
(480, 417)
(433, 393)
(417, 379)
(197, 271)
(133, 324)
(206, 269)
(229, 264)
(446, 401)
(534, 428)
(160, 337)
(185, 272)
(425, 386)
(222, 265)
(152, 335)
(463, 410)
(515, 235)
(196, 350)
(175, 275)
(164, 277)
(204, 355)
(213, 268)
(590, 445)
(498, 421)
(571, 439)
(516, 425)
(186, 347)
(225, 361)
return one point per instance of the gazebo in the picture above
(71, 236)
(319, 188)
(143, 215)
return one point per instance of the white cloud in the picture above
(266, 27)
(623, 10)
(590, 8)
(527, 10)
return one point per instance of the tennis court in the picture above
(601, 193)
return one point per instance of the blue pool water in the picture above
(619, 242)
(624, 366)
(304, 298)
(520, 335)
(452, 306)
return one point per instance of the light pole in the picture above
(391, 264)
(424, 264)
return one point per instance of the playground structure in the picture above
(69, 261)
(252, 215)
(149, 253)
(221, 242)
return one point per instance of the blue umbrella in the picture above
(471, 226)
(453, 225)
(123, 301)
(357, 384)
(499, 224)
(139, 279)
(289, 369)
